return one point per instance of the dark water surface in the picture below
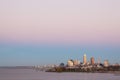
(29, 74)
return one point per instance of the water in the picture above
(29, 74)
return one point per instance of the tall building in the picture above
(92, 60)
(84, 59)
(106, 63)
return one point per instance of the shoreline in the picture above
(109, 72)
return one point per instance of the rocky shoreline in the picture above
(110, 69)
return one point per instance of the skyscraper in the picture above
(92, 60)
(106, 63)
(84, 59)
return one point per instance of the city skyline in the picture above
(34, 32)
(86, 61)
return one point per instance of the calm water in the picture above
(29, 74)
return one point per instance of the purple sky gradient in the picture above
(34, 32)
(60, 21)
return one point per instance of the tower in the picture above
(84, 59)
(92, 60)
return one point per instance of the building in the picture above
(84, 59)
(70, 63)
(106, 63)
(92, 60)
(76, 62)
(62, 65)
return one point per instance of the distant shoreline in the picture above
(117, 73)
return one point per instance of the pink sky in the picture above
(60, 21)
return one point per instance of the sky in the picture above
(39, 32)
